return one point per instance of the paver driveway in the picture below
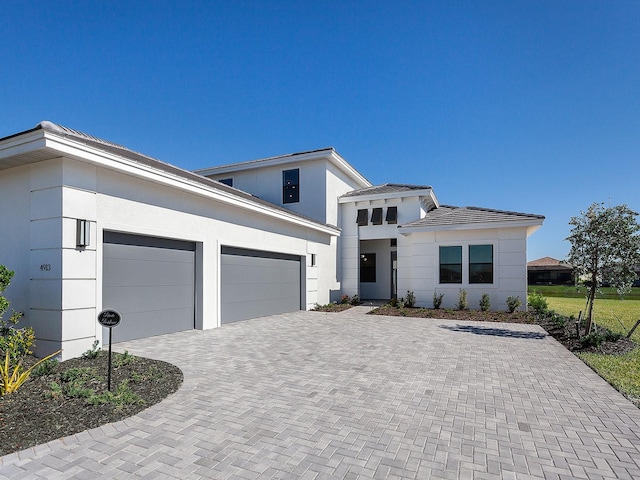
(313, 395)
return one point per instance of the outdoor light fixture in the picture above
(83, 229)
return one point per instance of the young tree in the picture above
(605, 247)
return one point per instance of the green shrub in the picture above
(597, 338)
(394, 302)
(355, 300)
(122, 359)
(44, 368)
(485, 302)
(93, 352)
(463, 303)
(121, 397)
(411, 300)
(344, 299)
(437, 300)
(513, 303)
(558, 320)
(538, 303)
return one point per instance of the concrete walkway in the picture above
(312, 395)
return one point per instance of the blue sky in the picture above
(530, 106)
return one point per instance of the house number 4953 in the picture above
(45, 267)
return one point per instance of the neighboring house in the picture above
(549, 271)
(88, 225)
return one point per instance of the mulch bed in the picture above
(565, 335)
(32, 415)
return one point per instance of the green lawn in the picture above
(621, 371)
(571, 291)
(617, 315)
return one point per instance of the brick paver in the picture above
(309, 395)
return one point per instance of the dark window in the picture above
(313, 259)
(368, 267)
(480, 263)
(451, 264)
(392, 215)
(394, 242)
(363, 215)
(376, 216)
(291, 186)
(227, 181)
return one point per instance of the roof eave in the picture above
(328, 153)
(531, 225)
(39, 139)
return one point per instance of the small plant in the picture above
(12, 377)
(93, 352)
(558, 320)
(411, 300)
(394, 302)
(597, 338)
(485, 302)
(538, 303)
(121, 397)
(355, 300)
(344, 299)
(463, 303)
(513, 303)
(437, 300)
(45, 368)
(123, 359)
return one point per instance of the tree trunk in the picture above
(592, 297)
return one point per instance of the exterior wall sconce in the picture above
(83, 231)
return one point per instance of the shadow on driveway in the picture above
(494, 332)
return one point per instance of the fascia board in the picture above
(346, 167)
(264, 163)
(389, 196)
(101, 158)
(328, 154)
(474, 226)
(22, 144)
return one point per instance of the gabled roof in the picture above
(386, 188)
(449, 217)
(548, 263)
(38, 152)
(328, 153)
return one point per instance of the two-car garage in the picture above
(151, 281)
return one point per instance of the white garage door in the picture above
(151, 282)
(256, 284)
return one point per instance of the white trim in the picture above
(406, 230)
(329, 153)
(96, 156)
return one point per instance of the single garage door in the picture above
(256, 284)
(151, 282)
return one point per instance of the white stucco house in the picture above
(89, 224)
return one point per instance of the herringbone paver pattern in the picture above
(313, 396)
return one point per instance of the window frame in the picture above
(454, 281)
(376, 216)
(290, 189)
(475, 277)
(392, 215)
(362, 217)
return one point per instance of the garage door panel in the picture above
(134, 272)
(137, 325)
(256, 284)
(151, 282)
(151, 298)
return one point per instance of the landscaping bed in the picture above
(73, 397)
